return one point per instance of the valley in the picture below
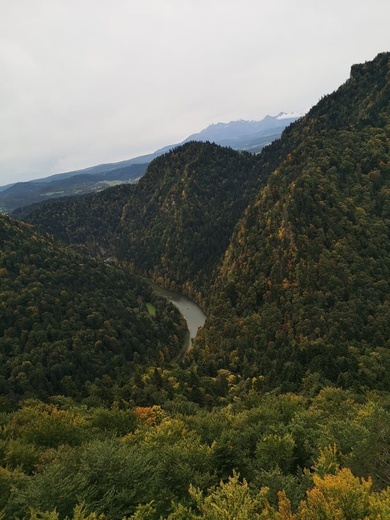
(285, 390)
(191, 312)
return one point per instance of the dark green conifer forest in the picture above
(72, 324)
(281, 409)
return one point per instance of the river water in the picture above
(191, 312)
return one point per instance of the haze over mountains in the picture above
(250, 136)
(239, 135)
(286, 387)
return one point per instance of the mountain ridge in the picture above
(292, 293)
(257, 135)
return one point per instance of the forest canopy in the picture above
(70, 322)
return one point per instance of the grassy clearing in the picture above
(151, 309)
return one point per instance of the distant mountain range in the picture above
(250, 136)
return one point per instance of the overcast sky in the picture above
(90, 81)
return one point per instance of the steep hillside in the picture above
(304, 286)
(176, 223)
(176, 226)
(73, 325)
(90, 219)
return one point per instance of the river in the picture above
(191, 312)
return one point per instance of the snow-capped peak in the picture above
(290, 115)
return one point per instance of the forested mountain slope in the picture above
(304, 286)
(174, 225)
(71, 324)
(90, 219)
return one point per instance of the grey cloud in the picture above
(101, 81)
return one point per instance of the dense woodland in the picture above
(90, 219)
(281, 410)
(173, 226)
(320, 302)
(266, 456)
(71, 324)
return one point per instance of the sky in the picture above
(85, 82)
